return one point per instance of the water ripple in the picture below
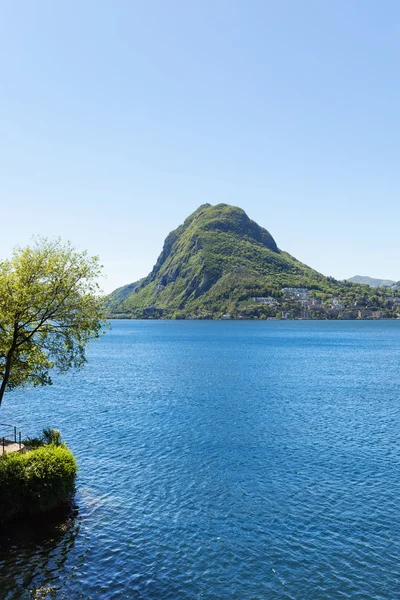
(243, 461)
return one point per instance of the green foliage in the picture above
(49, 436)
(121, 293)
(36, 482)
(49, 310)
(35, 442)
(52, 436)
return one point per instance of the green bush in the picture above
(36, 482)
(52, 436)
(49, 436)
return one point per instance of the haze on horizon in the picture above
(118, 119)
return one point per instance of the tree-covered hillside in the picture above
(217, 262)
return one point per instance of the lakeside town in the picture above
(302, 303)
(295, 303)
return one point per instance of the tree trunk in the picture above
(7, 371)
(6, 376)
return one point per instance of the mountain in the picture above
(123, 292)
(214, 262)
(373, 282)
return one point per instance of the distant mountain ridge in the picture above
(372, 282)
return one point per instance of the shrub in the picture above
(52, 436)
(36, 482)
(31, 443)
(49, 436)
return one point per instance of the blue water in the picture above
(222, 460)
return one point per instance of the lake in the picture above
(221, 460)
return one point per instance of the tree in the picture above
(50, 307)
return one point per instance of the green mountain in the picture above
(378, 283)
(123, 292)
(214, 263)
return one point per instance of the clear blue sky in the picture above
(119, 118)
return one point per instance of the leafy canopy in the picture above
(50, 307)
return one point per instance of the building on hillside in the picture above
(305, 302)
(266, 300)
(336, 303)
(315, 302)
(364, 314)
(377, 314)
(290, 292)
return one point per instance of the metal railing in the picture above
(9, 434)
